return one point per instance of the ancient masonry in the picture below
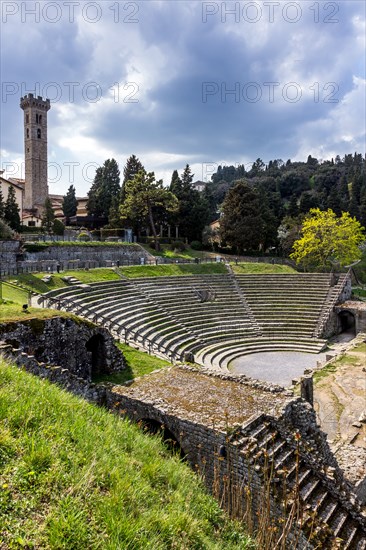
(35, 151)
(257, 446)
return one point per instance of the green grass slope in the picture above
(172, 269)
(73, 476)
(253, 268)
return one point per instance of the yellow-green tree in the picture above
(327, 238)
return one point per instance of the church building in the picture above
(32, 191)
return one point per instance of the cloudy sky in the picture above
(178, 82)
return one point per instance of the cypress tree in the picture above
(70, 203)
(11, 210)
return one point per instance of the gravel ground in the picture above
(279, 367)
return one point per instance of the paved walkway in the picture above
(279, 367)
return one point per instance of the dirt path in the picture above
(340, 401)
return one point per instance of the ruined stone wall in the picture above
(82, 348)
(132, 253)
(332, 326)
(8, 254)
(228, 475)
(230, 472)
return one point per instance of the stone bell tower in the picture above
(35, 151)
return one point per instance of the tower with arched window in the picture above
(35, 151)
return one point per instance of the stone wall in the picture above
(81, 347)
(61, 254)
(8, 254)
(332, 325)
(12, 257)
(229, 470)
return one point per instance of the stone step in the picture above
(338, 521)
(350, 539)
(308, 490)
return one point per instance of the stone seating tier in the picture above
(243, 313)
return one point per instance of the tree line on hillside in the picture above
(259, 208)
(143, 203)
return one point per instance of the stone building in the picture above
(35, 152)
(32, 191)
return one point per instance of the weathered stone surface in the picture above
(231, 461)
(82, 348)
(88, 253)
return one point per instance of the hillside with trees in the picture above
(260, 209)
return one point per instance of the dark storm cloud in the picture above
(186, 63)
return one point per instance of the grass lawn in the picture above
(172, 269)
(359, 292)
(250, 267)
(346, 359)
(166, 252)
(138, 364)
(11, 311)
(74, 476)
(33, 281)
(13, 294)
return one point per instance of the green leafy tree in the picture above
(11, 210)
(132, 167)
(326, 238)
(48, 216)
(193, 209)
(288, 232)
(176, 183)
(6, 233)
(363, 206)
(70, 203)
(105, 187)
(293, 208)
(58, 227)
(308, 200)
(241, 224)
(143, 195)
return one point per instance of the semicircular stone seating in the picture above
(210, 319)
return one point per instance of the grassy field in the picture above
(166, 252)
(13, 294)
(359, 292)
(138, 364)
(250, 267)
(345, 359)
(172, 269)
(11, 311)
(33, 281)
(73, 477)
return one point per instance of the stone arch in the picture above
(155, 427)
(347, 321)
(96, 345)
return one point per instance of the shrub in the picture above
(58, 227)
(179, 246)
(6, 233)
(196, 245)
(83, 236)
(105, 233)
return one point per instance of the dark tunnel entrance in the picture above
(347, 322)
(96, 345)
(170, 441)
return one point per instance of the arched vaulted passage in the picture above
(96, 345)
(157, 428)
(347, 322)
